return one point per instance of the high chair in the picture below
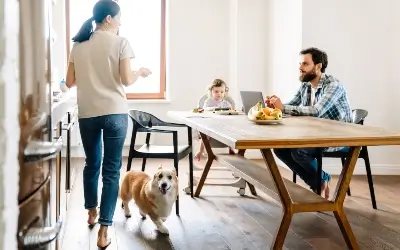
(238, 182)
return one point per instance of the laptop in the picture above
(250, 98)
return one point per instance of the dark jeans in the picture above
(302, 161)
(113, 128)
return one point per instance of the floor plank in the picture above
(221, 219)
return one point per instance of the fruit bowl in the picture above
(259, 115)
(266, 122)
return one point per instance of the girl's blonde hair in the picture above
(216, 84)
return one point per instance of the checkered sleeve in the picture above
(332, 93)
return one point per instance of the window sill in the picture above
(149, 101)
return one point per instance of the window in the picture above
(143, 24)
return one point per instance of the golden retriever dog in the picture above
(153, 196)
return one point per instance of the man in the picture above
(320, 95)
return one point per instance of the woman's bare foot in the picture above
(325, 189)
(102, 239)
(92, 213)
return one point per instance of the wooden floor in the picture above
(221, 219)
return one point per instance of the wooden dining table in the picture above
(238, 132)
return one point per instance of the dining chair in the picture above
(144, 122)
(358, 117)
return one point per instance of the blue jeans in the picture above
(302, 161)
(113, 128)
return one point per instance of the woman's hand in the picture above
(144, 72)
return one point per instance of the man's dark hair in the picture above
(318, 56)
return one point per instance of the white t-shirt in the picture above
(313, 91)
(99, 88)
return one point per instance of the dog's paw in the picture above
(143, 215)
(162, 229)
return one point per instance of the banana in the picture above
(277, 114)
(256, 112)
(270, 117)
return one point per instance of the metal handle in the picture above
(34, 238)
(41, 150)
(34, 124)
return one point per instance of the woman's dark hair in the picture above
(101, 10)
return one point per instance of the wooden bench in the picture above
(301, 199)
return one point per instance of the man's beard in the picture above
(309, 76)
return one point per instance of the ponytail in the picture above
(84, 32)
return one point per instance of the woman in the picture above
(99, 65)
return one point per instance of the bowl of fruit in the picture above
(263, 116)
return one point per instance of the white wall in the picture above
(285, 37)
(362, 41)
(250, 49)
(9, 124)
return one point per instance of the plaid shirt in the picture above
(331, 101)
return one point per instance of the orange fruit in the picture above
(266, 111)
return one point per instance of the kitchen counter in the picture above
(65, 104)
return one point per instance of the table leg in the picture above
(284, 196)
(211, 157)
(280, 235)
(251, 186)
(340, 195)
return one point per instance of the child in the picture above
(216, 93)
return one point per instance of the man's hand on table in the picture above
(274, 102)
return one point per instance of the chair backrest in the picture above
(359, 116)
(200, 103)
(144, 119)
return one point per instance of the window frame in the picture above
(161, 95)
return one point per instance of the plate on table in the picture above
(210, 108)
(267, 122)
(226, 112)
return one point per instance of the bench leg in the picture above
(210, 160)
(251, 186)
(340, 195)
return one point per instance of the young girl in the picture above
(216, 93)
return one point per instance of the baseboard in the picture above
(377, 169)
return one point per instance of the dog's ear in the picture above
(174, 171)
(160, 167)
